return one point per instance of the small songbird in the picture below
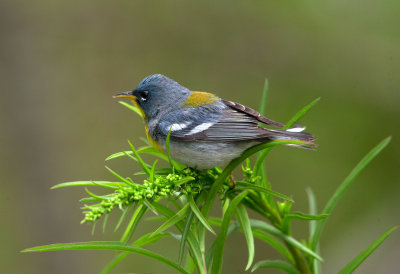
(206, 131)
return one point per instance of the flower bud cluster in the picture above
(159, 187)
(249, 175)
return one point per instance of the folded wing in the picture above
(224, 121)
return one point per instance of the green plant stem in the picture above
(275, 218)
(301, 263)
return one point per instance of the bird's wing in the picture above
(222, 121)
(251, 112)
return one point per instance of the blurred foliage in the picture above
(61, 62)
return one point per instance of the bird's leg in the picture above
(232, 181)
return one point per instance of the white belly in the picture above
(205, 155)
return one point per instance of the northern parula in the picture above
(206, 131)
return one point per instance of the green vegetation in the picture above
(181, 197)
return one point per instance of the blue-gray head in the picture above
(157, 93)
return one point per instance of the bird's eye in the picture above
(144, 95)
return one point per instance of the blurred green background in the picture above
(61, 61)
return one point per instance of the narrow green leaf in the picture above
(113, 185)
(172, 220)
(152, 171)
(140, 211)
(158, 171)
(260, 161)
(93, 227)
(119, 176)
(198, 214)
(105, 223)
(123, 215)
(133, 157)
(349, 268)
(114, 262)
(171, 162)
(119, 154)
(257, 224)
(150, 206)
(264, 97)
(348, 181)
(301, 113)
(190, 266)
(263, 189)
(141, 241)
(215, 221)
(174, 203)
(248, 164)
(272, 241)
(146, 141)
(192, 242)
(259, 168)
(209, 255)
(90, 199)
(262, 235)
(119, 257)
(117, 246)
(132, 107)
(100, 198)
(141, 162)
(244, 222)
(225, 205)
(177, 237)
(181, 198)
(312, 203)
(313, 210)
(156, 219)
(306, 217)
(184, 180)
(147, 150)
(148, 239)
(153, 151)
(232, 228)
(221, 238)
(278, 264)
(300, 216)
(250, 203)
(163, 210)
(188, 223)
(119, 186)
(218, 222)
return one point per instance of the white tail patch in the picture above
(296, 129)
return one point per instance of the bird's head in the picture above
(156, 94)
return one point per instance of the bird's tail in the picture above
(295, 133)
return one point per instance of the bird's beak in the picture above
(126, 94)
